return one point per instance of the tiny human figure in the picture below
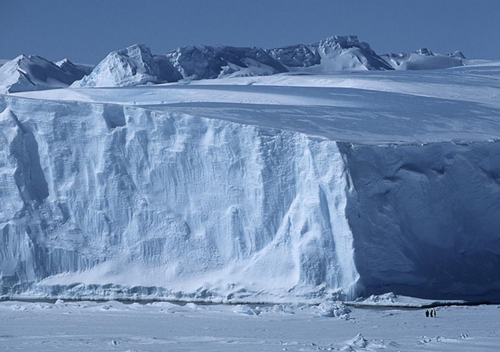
(427, 313)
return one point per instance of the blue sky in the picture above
(86, 31)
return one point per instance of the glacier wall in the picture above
(121, 197)
(104, 200)
(426, 219)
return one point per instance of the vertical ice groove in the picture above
(330, 174)
(29, 176)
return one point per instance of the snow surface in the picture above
(255, 189)
(160, 326)
(404, 107)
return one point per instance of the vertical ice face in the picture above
(137, 201)
(426, 219)
(132, 197)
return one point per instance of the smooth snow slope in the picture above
(255, 189)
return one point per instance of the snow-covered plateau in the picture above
(280, 188)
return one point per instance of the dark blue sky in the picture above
(87, 30)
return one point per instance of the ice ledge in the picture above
(81, 291)
(338, 114)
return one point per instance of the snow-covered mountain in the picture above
(337, 53)
(276, 188)
(202, 62)
(424, 59)
(128, 67)
(75, 69)
(26, 73)
(136, 64)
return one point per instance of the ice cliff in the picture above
(184, 203)
(255, 190)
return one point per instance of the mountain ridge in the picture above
(137, 65)
(33, 72)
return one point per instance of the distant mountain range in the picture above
(136, 64)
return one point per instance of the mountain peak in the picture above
(130, 66)
(204, 61)
(344, 41)
(136, 64)
(335, 53)
(33, 72)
